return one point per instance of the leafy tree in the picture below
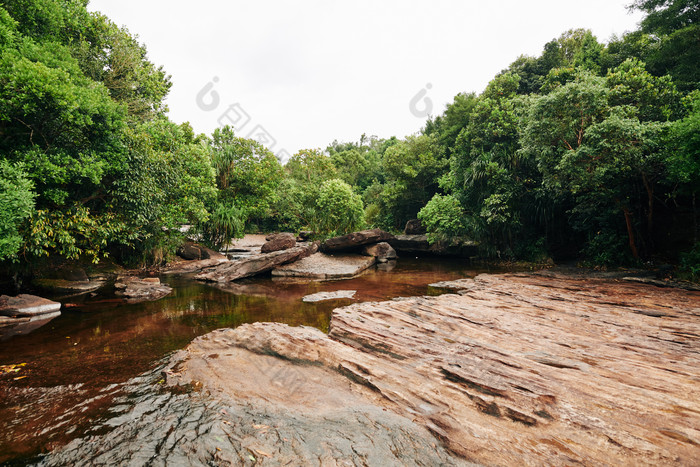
(448, 125)
(294, 207)
(247, 173)
(488, 175)
(16, 205)
(338, 209)
(667, 16)
(443, 218)
(675, 23)
(412, 169)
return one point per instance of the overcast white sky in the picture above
(313, 71)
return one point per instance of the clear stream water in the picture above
(77, 366)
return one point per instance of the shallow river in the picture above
(77, 365)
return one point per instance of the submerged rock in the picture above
(323, 266)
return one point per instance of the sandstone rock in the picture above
(192, 267)
(414, 227)
(323, 266)
(382, 251)
(62, 286)
(322, 296)
(354, 240)
(278, 242)
(68, 278)
(27, 306)
(189, 251)
(411, 243)
(141, 290)
(194, 251)
(269, 419)
(254, 265)
(516, 369)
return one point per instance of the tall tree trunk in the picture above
(630, 232)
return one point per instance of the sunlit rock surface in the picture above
(511, 370)
(324, 266)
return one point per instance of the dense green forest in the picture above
(590, 151)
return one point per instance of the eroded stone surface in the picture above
(232, 270)
(356, 239)
(277, 242)
(258, 415)
(323, 266)
(382, 251)
(141, 289)
(512, 370)
(322, 296)
(25, 305)
(192, 267)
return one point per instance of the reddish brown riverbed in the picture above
(76, 365)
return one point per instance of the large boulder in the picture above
(354, 240)
(27, 306)
(415, 227)
(278, 242)
(246, 267)
(382, 251)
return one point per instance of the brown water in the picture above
(76, 365)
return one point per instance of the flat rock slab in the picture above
(514, 369)
(27, 306)
(68, 286)
(322, 296)
(323, 266)
(141, 290)
(192, 267)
